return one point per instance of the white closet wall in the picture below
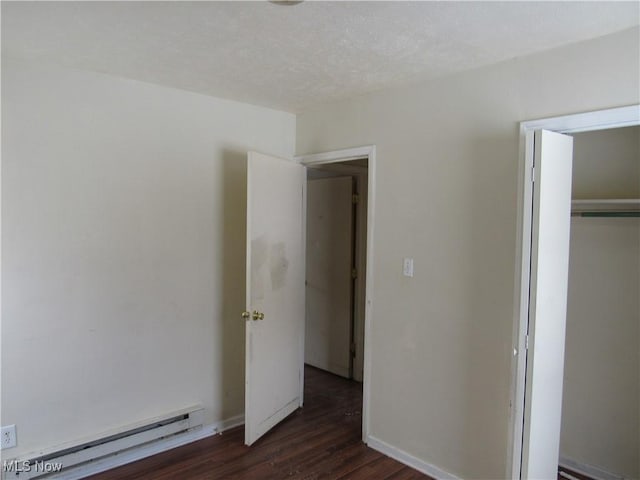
(601, 405)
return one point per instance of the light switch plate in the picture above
(407, 267)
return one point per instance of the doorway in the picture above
(533, 453)
(275, 285)
(359, 165)
(600, 433)
(336, 267)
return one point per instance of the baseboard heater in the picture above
(43, 465)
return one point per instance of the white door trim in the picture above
(581, 122)
(366, 152)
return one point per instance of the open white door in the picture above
(547, 304)
(275, 292)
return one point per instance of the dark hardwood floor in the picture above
(320, 441)
(571, 474)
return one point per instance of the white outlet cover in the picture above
(8, 437)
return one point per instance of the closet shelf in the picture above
(622, 207)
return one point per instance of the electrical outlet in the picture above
(8, 437)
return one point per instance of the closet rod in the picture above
(620, 207)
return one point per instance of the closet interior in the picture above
(600, 435)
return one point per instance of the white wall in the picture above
(601, 401)
(123, 210)
(447, 153)
(606, 164)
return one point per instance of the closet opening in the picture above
(600, 429)
(578, 245)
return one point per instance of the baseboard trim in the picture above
(229, 423)
(410, 460)
(144, 451)
(590, 471)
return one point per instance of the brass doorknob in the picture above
(258, 315)
(246, 315)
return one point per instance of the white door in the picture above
(275, 292)
(328, 330)
(553, 154)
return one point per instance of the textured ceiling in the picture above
(295, 57)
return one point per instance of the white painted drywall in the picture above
(123, 244)
(601, 404)
(606, 164)
(447, 160)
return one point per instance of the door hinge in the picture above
(354, 273)
(526, 342)
(352, 349)
(533, 174)
(355, 198)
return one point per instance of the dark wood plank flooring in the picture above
(320, 441)
(571, 474)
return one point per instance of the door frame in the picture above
(581, 122)
(367, 152)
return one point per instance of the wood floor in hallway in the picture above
(320, 441)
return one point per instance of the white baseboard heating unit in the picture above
(66, 458)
